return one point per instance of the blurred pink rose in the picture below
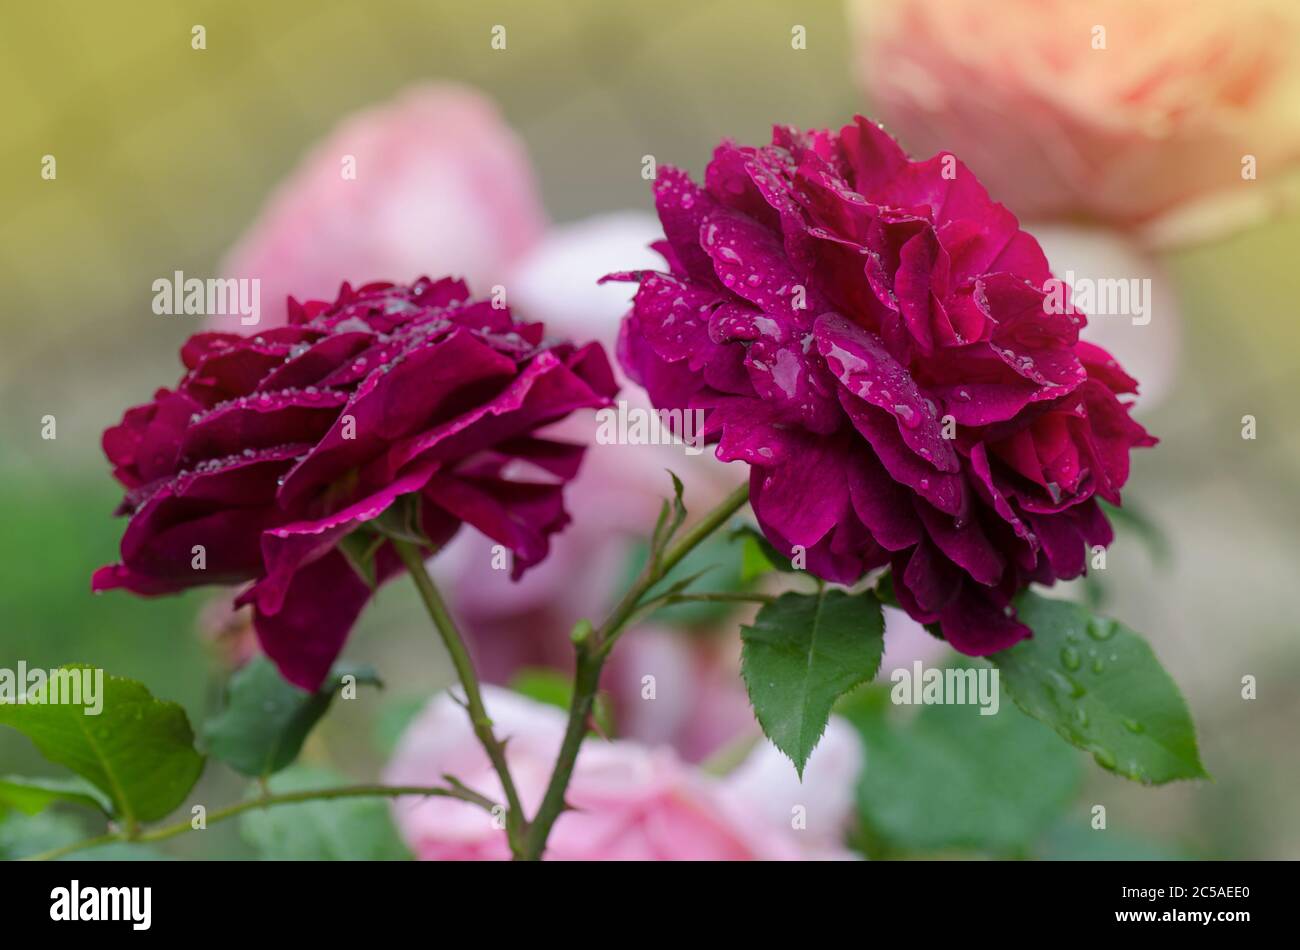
(556, 280)
(526, 623)
(1128, 134)
(442, 185)
(701, 704)
(907, 641)
(633, 802)
(698, 704)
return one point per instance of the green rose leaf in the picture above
(139, 751)
(758, 556)
(802, 653)
(1098, 684)
(951, 779)
(267, 719)
(342, 829)
(33, 795)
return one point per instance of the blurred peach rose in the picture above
(632, 802)
(442, 185)
(1134, 134)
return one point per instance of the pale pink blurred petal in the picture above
(696, 701)
(826, 796)
(906, 641)
(442, 186)
(556, 281)
(634, 802)
(1147, 345)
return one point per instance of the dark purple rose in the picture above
(272, 449)
(878, 340)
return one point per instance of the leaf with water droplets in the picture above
(138, 750)
(1099, 685)
(803, 652)
(950, 778)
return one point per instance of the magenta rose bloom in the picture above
(272, 449)
(878, 340)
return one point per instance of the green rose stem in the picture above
(527, 839)
(516, 824)
(592, 647)
(268, 801)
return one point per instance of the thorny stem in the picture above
(593, 648)
(516, 823)
(267, 801)
(527, 839)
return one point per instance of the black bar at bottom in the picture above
(217, 899)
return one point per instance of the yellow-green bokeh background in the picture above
(165, 154)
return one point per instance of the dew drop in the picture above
(1105, 758)
(907, 416)
(1070, 658)
(1068, 684)
(1100, 628)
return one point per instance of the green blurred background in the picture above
(165, 154)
